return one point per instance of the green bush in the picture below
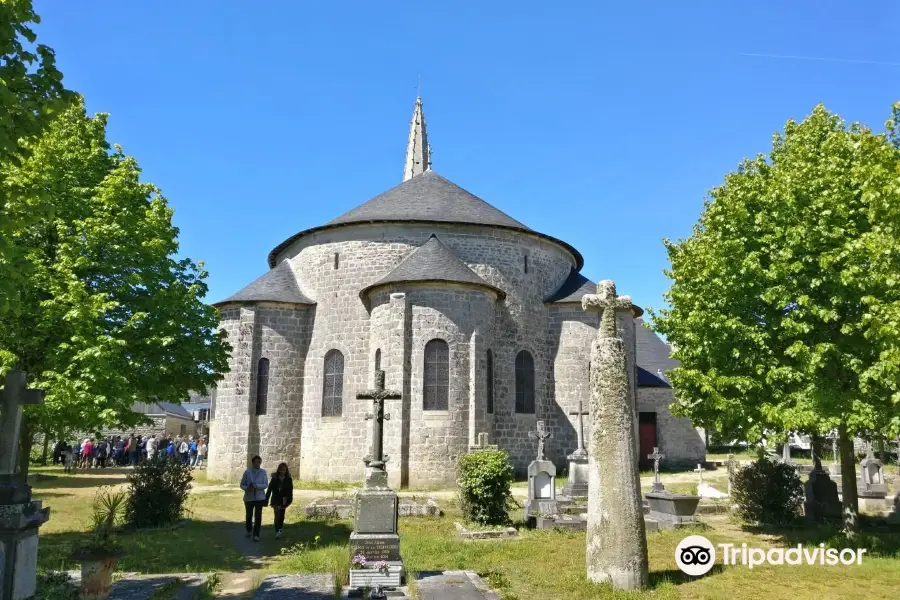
(159, 490)
(483, 481)
(767, 492)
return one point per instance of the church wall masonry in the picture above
(677, 439)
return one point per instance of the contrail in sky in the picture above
(823, 59)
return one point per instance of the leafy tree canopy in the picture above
(784, 307)
(31, 92)
(109, 315)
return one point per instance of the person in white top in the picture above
(254, 483)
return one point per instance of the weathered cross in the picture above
(834, 451)
(732, 468)
(655, 457)
(699, 471)
(540, 435)
(12, 397)
(377, 458)
(606, 301)
(579, 426)
(482, 443)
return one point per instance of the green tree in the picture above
(109, 314)
(784, 307)
(31, 92)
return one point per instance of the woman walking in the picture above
(280, 494)
(254, 483)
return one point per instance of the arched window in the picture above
(524, 383)
(490, 382)
(262, 386)
(437, 376)
(378, 360)
(333, 385)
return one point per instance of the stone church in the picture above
(475, 318)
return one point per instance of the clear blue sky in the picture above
(596, 122)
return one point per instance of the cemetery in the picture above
(421, 397)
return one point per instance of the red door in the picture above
(647, 435)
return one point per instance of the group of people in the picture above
(259, 491)
(121, 451)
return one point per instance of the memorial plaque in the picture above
(376, 548)
(376, 512)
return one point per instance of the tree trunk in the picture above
(46, 449)
(848, 481)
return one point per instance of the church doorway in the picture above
(647, 435)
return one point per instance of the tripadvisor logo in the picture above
(696, 555)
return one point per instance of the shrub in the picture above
(767, 492)
(159, 490)
(483, 482)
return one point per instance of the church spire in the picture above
(418, 152)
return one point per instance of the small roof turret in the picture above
(432, 262)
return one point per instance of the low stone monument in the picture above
(541, 480)
(577, 485)
(668, 510)
(822, 501)
(374, 540)
(20, 516)
(872, 490)
(616, 535)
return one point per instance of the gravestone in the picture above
(577, 485)
(668, 510)
(822, 501)
(616, 537)
(541, 480)
(20, 516)
(374, 533)
(872, 489)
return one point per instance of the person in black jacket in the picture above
(280, 494)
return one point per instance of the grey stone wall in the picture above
(229, 429)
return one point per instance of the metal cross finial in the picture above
(606, 301)
(377, 458)
(419, 85)
(12, 397)
(579, 426)
(655, 457)
(540, 435)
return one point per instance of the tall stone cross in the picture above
(699, 471)
(579, 428)
(377, 458)
(732, 469)
(540, 435)
(13, 396)
(655, 457)
(606, 301)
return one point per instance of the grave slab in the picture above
(315, 586)
(453, 585)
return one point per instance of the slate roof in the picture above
(432, 261)
(278, 285)
(427, 198)
(573, 288)
(647, 379)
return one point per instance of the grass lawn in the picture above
(539, 565)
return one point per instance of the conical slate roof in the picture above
(278, 285)
(432, 262)
(428, 197)
(573, 289)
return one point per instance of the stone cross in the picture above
(699, 471)
(606, 301)
(377, 458)
(13, 396)
(834, 451)
(732, 468)
(579, 427)
(786, 451)
(540, 435)
(655, 457)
